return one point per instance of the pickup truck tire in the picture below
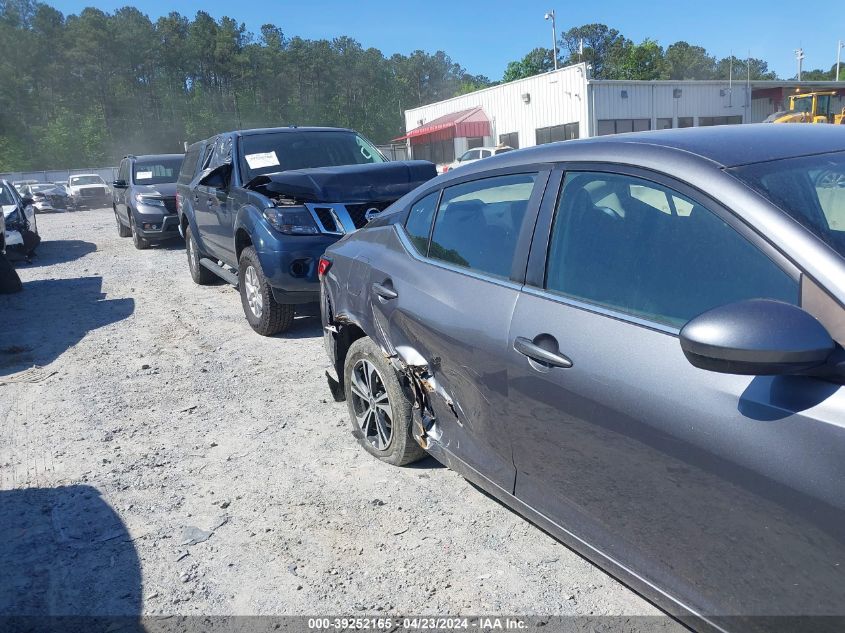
(199, 273)
(122, 229)
(386, 429)
(139, 242)
(264, 314)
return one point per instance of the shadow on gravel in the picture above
(172, 244)
(57, 252)
(39, 324)
(304, 326)
(65, 552)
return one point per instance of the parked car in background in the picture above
(636, 341)
(144, 200)
(20, 225)
(89, 191)
(258, 208)
(477, 153)
(19, 185)
(47, 197)
(10, 282)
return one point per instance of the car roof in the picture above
(674, 150)
(75, 175)
(154, 156)
(290, 129)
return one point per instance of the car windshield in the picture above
(75, 181)
(300, 149)
(156, 172)
(41, 187)
(811, 189)
(6, 196)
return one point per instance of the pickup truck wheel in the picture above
(380, 409)
(122, 229)
(139, 242)
(264, 314)
(199, 273)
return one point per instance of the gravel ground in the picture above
(168, 460)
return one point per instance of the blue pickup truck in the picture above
(258, 208)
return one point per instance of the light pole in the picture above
(551, 16)
(839, 48)
(799, 55)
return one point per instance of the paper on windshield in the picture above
(144, 175)
(264, 159)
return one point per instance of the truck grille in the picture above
(93, 192)
(358, 212)
(326, 218)
(338, 218)
(170, 204)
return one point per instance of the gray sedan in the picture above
(634, 341)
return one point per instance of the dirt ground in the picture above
(166, 459)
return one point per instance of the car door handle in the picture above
(528, 348)
(384, 292)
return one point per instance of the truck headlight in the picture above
(149, 200)
(291, 220)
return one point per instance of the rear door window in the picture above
(418, 224)
(478, 223)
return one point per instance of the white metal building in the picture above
(566, 104)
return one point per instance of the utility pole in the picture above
(799, 56)
(839, 48)
(551, 16)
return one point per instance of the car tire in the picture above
(10, 282)
(199, 273)
(122, 229)
(139, 242)
(393, 411)
(264, 314)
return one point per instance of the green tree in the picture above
(759, 70)
(685, 61)
(637, 61)
(602, 47)
(538, 61)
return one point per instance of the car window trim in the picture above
(405, 239)
(526, 234)
(535, 277)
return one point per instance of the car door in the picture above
(120, 193)
(204, 215)
(217, 212)
(444, 298)
(723, 491)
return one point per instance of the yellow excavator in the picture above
(809, 107)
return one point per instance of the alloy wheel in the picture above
(252, 287)
(371, 404)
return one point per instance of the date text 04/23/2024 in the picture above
(417, 623)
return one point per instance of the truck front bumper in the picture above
(290, 263)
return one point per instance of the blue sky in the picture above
(484, 36)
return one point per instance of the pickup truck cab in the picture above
(89, 191)
(259, 207)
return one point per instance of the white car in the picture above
(17, 215)
(89, 190)
(475, 154)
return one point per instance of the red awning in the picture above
(466, 123)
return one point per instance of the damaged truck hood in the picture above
(347, 183)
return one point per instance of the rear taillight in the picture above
(178, 201)
(323, 266)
